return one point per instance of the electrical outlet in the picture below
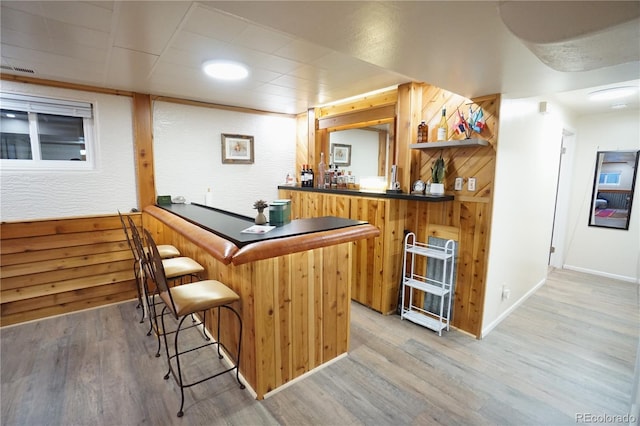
(471, 186)
(458, 184)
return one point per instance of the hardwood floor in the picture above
(568, 349)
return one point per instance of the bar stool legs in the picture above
(185, 301)
(175, 357)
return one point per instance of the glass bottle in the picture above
(321, 171)
(443, 127)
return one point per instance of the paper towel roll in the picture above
(208, 198)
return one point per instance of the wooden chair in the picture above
(183, 302)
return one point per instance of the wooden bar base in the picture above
(294, 294)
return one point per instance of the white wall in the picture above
(525, 186)
(108, 187)
(188, 155)
(609, 252)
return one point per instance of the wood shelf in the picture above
(449, 144)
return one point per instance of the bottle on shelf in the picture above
(304, 182)
(321, 170)
(443, 127)
(311, 178)
(423, 131)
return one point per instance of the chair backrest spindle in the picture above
(156, 269)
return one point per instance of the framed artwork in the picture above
(237, 149)
(341, 154)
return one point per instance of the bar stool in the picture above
(166, 251)
(184, 301)
(176, 268)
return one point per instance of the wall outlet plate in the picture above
(471, 186)
(458, 184)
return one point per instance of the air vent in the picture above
(18, 69)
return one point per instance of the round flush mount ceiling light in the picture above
(225, 70)
(612, 93)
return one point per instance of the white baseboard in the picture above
(486, 330)
(305, 375)
(602, 274)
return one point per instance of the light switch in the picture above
(471, 186)
(458, 184)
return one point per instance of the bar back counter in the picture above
(294, 284)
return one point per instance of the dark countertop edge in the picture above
(401, 196)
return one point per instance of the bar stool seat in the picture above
(199, 296)
(183, 302)
(177, 267)
(167, 251)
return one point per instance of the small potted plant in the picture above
(437, 176)
(260, 205)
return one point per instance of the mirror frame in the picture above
(600, 156)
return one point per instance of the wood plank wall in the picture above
(471, 211)
(52, 267)
(469, 215)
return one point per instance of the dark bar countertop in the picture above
(229, 225)
(397, 196)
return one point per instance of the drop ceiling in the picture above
(304, 54)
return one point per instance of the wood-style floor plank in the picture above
(569, 349)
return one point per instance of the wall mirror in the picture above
(613, 186)
(368, 149)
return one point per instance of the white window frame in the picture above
(65, 107)
(618, 175)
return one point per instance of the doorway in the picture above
(563, 194)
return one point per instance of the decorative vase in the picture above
(437, 189)
(261, 219)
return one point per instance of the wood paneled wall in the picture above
(468, 216)
(51, 267)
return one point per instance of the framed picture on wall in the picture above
(237, 149)
(341, 154)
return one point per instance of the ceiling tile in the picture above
(25, 40)
(214, 24)
(129, 69)
(78, 13)
(49, 65)
(262, 39)
(74, 34)
(302, 51)
(21, 21)
(148, 30)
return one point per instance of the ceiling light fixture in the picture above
(612, 93)
(225, 70)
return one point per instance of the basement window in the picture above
(610, 178)
(45, 133)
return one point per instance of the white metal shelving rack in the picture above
(440, 286)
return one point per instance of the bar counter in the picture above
(293, 283)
